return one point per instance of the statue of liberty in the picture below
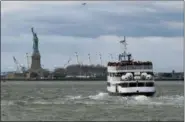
(35, 41)
(35, 70)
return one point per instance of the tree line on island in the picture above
(76, 70)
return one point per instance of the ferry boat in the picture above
(128, 77)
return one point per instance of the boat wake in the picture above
(103, 98)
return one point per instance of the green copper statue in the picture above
(35, 41)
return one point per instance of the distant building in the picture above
(15, 76)
(169, 75)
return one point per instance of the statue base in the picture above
(36, 70)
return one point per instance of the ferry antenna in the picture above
(111, 56)
(89, 58)
(124, 43)
(77, 58)
(100, 58)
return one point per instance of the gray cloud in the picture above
(93, 20)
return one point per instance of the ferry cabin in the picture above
(140, 74)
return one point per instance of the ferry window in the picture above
(151, 73)
(123, 73)
(124, 84)
(108, 84)
(140, 84)
(134, 67)
(116, 74)
(132, 84)
(150, 84)
(111, 74)
(122, 68)
(119, 74)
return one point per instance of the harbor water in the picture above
(81, 101)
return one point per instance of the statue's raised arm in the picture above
(34, 34)
(32, 31)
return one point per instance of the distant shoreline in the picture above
(79, 79)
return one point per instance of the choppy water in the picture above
(66, 101)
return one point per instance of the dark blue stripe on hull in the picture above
(132, 94)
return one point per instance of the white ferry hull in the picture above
(129, 91)
(149, 94)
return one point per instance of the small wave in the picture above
(74, 97)
(51, 102)
(99, 96)
(21, 102)
(64, 102)
(5, 103)
(174, 97)
(141, 98)
(175, 100)
(172, 100)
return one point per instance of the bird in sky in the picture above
(83, 3)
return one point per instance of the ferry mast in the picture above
(122, 56)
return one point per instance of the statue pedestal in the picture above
(35, 65)
(36, 70)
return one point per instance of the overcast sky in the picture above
(154, 31)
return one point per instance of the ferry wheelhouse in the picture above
(128, 77)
